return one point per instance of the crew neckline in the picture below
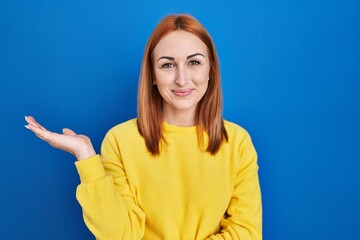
(190, 130)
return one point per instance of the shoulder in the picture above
(235, 131)
(124, 141)
(124, 129)
(128, 126)
(240, 139)
(237, 135)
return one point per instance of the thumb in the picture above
(68, 131)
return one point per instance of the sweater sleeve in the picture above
(243, 218)
(109, 208)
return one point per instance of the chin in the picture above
(183, 107)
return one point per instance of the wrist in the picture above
(86, 153)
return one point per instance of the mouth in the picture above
(182, 92)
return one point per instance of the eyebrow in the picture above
(171, 58)
(195, 54)
(166, 57)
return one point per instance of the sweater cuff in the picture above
(90, 169)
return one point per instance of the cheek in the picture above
(202, 78)
(204, 86)
(203, 73)
(162, 82)
(163, 78)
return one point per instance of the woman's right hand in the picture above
(78, 145)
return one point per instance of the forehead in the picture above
(179, 43)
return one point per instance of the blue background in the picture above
(290, 76)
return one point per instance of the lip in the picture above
(182, 92)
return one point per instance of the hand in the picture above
(78, 145)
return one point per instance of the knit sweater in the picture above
(184, 193)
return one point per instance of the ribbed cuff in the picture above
(90, 169)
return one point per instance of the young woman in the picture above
(178, 171)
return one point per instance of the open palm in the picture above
(78, 145)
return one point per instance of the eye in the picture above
(167, 65)
(194, 62)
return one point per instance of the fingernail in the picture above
(26, 118)
(27, 126)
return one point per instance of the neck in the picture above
(182, 118)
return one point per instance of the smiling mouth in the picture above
(182, 92)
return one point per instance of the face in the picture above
(181, 67)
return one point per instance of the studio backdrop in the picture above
(290, 76)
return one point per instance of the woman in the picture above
(178, 171)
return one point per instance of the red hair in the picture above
(208, 116)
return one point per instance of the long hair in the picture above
(208, 116)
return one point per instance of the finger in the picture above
(33, 122)
(69, 132)
(31, 126)
(54, 139)
(40, 133)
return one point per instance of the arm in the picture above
(109, 209)
(243, 218)
(108, 206)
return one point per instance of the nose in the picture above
(182, 76)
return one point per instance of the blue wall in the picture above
(291, 77)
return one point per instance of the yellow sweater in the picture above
(185, 193)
